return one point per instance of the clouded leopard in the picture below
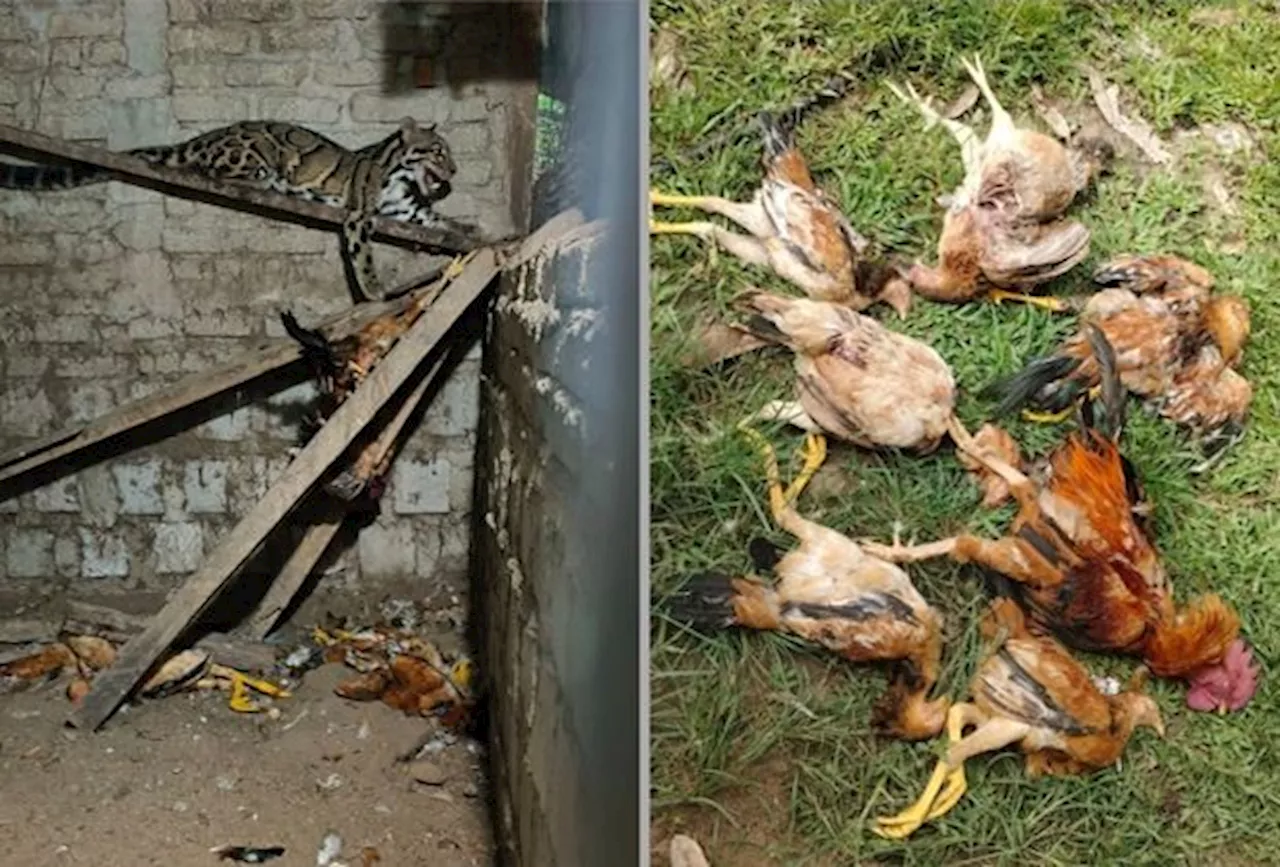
(400, 177)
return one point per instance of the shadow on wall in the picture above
(459, 43)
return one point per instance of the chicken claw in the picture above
(951, 786)
(1061, 415)
(814, 451)
(455, 268)
(909, 820)
(1053, 305)
(671, 200)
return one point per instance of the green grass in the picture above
(760, 744)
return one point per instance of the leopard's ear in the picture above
(408, 124)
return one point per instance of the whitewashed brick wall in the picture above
(110, 291)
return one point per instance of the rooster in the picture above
(833, 594)
(1030, 692)
(796, 230)
(857, 380)
(1176, 345)
(1079, 554)
(1004, 228)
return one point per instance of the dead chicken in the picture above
(1003, 229)
(796, 230)
(834, 594)
(857, 380)
(1083, 564)
(1030, 692)
(402, 671)
(340, 366)
(187, 669)
(1176, 345)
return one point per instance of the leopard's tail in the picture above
(59, 177)
(16, 177)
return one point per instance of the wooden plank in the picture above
(277, 206)
(317, 538)
(190, 390)
(137, 658)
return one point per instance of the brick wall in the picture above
(108, 292)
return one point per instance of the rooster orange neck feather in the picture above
(1088, 473)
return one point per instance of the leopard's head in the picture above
(428, 155)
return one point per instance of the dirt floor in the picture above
(167, 780)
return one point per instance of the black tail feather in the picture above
(764, 554)
(1038, 384)
(761, 327)
(776, 139)
(1114, 396)
(314, 345)
(705, 602)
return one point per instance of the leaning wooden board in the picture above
(318, 536)
(137, 658)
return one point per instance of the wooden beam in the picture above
(190, 390)
(320, 534)
(277, 206)
(137, 658)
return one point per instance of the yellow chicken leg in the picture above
(1053, 305)
(950, 790)
(241, 683)
(701, 228)
(455, 268)
(240, 701)
(906, 822)
(1057, 417)
(815, 453)
(671, 200)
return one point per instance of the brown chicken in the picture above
(1176, 345)
(340, 366)
(831, 593)
(1082, 563)
(1031, 692)
(1003, 229)
(857, 380)
(796, 230)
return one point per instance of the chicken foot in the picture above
(749, 216)
(749, 250)
(948, 784)
(1053, 305)
(814, 451)
(1021, 488)
(970, 144)
(1061, 415)
(1000, 119)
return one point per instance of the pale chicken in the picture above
(835, 595)
(1003, 228)
(857, 380)
(796, 230)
